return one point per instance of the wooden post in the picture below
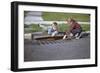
(32, 36)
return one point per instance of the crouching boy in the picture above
(74, 29)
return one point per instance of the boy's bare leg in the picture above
(70, 36)
(54, 33)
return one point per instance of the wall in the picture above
(5, 35)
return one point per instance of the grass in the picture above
(32, 28)
(56, 16)
(63, 27)
(85, 27)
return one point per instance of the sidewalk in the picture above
(57, 50)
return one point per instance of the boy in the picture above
(74, 29)
(54, 30)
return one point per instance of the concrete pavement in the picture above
(57, 50)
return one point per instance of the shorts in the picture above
(76, 31)
(52, 32)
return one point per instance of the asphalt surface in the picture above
(57, 50)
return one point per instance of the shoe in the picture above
(77, 38)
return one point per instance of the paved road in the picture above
(57, 50)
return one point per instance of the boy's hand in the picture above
(64, 37)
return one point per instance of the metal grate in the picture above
(44, 42)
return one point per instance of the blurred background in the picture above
(35, 21)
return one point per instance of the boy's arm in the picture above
(70, 29)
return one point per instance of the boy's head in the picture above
(55, 23)
(70, 20)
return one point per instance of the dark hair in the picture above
(73, 20)
(55, 23)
